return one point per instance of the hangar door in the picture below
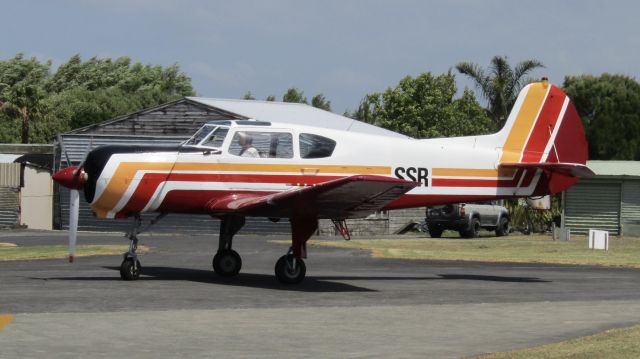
(593, 205)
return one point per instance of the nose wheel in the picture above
(130, 269)
(290, 270)
(227, 263)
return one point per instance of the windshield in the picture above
(200, 135)
(216, 138)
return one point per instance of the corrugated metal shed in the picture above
(9, 206)
(593, 204)
(10, 175)
(608, 201)
(630, 208)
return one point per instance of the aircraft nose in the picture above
(72, 177)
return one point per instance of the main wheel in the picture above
(129, 271)
(290, 270)
(474, 229)
(503, 227)
(227, 263)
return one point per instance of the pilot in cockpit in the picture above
(246, 141)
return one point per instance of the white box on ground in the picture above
(561, 234)
(598, 239)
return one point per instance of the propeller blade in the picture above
(64, 150)
(74, 209)
(84, 158)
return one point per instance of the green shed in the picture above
(608, 201)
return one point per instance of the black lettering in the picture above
(423, 176)
(399, 171)
(411, 173)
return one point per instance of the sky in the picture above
(342, 49)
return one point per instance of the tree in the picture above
(321, 102)
(79, 93)
(270, 98)
(609, 107)
(248, 96)
(294, 95)
(424, 107)
(499, 84)
(22, 92)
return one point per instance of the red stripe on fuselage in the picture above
(463, 182)
(151, 181)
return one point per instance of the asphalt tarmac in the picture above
(350, 305)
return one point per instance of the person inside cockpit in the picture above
(246, 141)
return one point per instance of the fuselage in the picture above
(189, 177)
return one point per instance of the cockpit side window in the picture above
(216, 138)
(314, 146)
(199, 136)
(262, 144)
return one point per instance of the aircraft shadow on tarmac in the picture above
(251, 280)
(311, 284)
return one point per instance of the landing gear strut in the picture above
(130, 267)
(290, 268)
(227, 262)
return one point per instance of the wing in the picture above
(349, 197)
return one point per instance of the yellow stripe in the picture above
(5, 320)
(126, 170)
(525, 120)
(253, 167)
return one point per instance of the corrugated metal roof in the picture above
(295, 113)
(615, 168)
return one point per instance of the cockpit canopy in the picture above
(265, 142)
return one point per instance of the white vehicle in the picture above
(468, 219)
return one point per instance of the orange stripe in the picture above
(125, 172)
(5, 320)
(515, 142)
(120, 181)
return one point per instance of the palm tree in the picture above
(499, 84)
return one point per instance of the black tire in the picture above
(503, 227)
(227, 263)
(128, 271)
(285, 273)
(435, 231)
(473, 231)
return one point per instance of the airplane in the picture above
(249, 168)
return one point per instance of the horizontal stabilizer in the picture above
(564, 168)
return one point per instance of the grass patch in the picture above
(614, 343)
(623, 251)
(60, 251)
